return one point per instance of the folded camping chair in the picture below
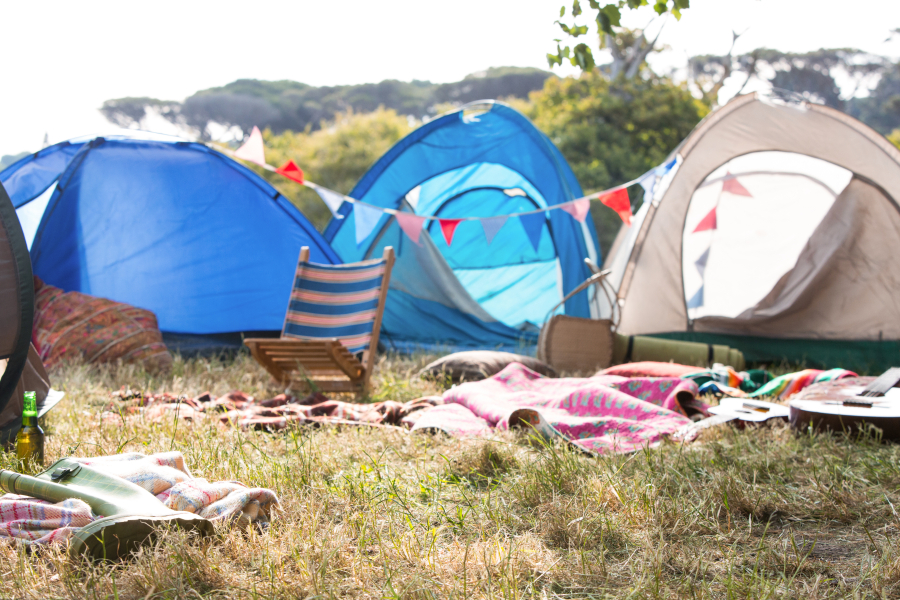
(330, 333)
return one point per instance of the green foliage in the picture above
(606, 16)
(613, 131)
(894, 137)
(336, 155)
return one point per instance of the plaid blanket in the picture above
(600, 414)
(164, 475)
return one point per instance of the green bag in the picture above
(130, 514)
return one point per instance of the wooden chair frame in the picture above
(326, 364)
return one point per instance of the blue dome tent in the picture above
(485, 160)
(170, 226)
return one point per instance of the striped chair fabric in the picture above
(335, 301)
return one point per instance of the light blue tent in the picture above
(485, 160)
(170, 226)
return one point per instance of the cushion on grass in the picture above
(649, 369)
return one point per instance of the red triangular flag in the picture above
(411, 225)
(578, 209)
(708, 222)
(733, 186)
(291, 171)
(619, 202)
(448, 226)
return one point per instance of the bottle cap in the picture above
(30, 405)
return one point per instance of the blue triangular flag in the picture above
(668, 166)
(491, 226)
(697, 300)
(700, 263)
(533, 225)
(648, 182)
(367, 218)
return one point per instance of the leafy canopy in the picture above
(607, 16)
(611, 131)
(335, 155)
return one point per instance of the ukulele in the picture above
(846, 405)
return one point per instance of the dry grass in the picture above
(382, 514)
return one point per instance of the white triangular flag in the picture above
(253, 149)
(332, 200)
(367, 218)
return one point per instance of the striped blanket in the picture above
(599, 414)
(164, 475)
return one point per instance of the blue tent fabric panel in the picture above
(28, 178)
(428, 308)
(499, 136)
(406, 318)
(177, 229)
(494, 288)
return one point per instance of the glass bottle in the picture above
(30, 439)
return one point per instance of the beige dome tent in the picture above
(777, 232)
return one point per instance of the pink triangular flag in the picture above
(448, 226)
(708, 222)
(733, 186)
(411, 225)
(253, 149)
(578, 209)
(492, 226)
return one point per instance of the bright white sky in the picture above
(62, 59)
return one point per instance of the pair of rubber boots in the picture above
(130, 515)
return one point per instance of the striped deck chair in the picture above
(333, 316)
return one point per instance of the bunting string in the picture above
(368, 215)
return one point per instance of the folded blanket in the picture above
(787, 385)
(164, 475)
(599, 414)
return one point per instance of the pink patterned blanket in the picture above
(165, 475)
(600, 414)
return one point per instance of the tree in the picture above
(810, 75)
(611, 131)
(335, 155)
(606, 16)
(880, 110)
(292, 106)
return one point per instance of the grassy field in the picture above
(376, 513)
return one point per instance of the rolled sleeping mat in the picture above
(129, 514)
(638, 348)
